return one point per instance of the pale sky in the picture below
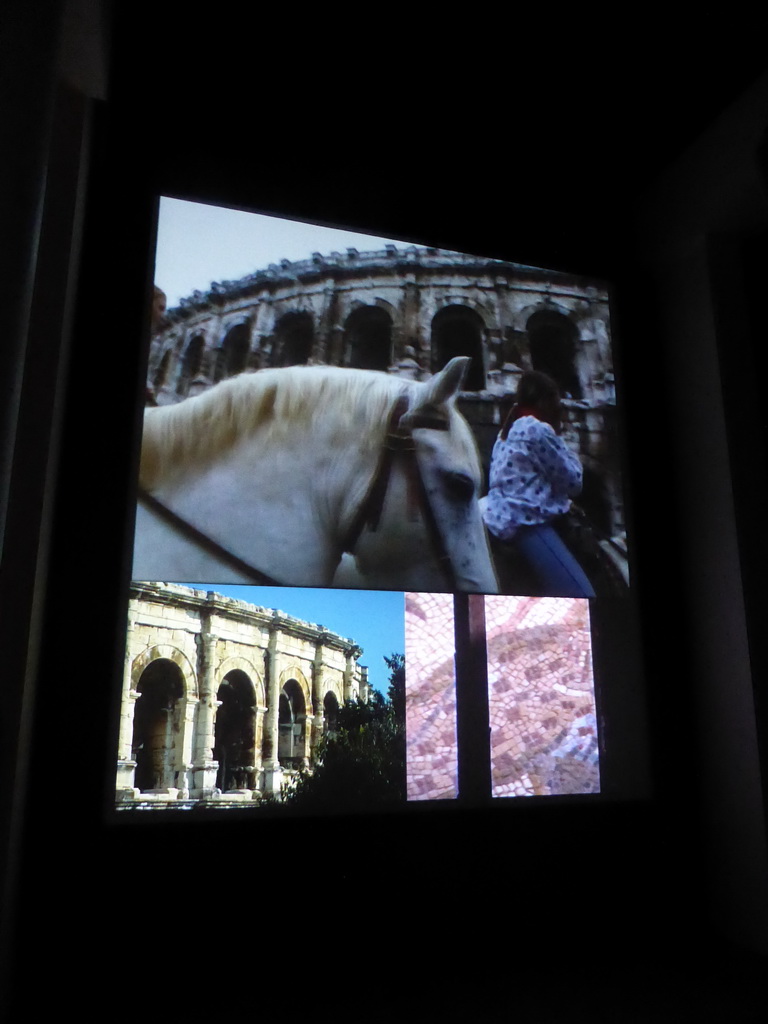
(198, 244)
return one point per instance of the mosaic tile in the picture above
(542, 710)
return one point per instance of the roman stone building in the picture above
(223, 701)
(408, 312)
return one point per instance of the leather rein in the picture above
(398, 443)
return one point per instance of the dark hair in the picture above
(535, 391)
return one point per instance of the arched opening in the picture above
(294, 336)
(191, 364)
(234, 735)
(233, 354)
(330, 715)
(458, 331)
(292, 721)
(156, 720)
(552, 339)
(163, 369)
(368, 339)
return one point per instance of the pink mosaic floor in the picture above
(430, 697)
(541, 697)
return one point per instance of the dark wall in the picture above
(414, 150)
(703, 228)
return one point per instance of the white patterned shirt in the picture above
(534, 475)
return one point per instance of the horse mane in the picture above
(354, 404)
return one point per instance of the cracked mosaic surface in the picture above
(430, 697)
(541, 697)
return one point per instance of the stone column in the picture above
(273, 773)
(349, 673)
(265, 327)
(126, 765)
(184, 779)
(305, 751)
(166, 782)
(318, 692)
(330, 331)
(258, 746)
(204, 768)
(412, 333)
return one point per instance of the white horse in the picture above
(272, 476)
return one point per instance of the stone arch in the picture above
(192, 363)
(368, 338)
(522, 316)
(297, 674)
(292, 725)
(253, 673)
(163, 370)
(234, 744)
(157, 721)
(233, 353)
(171, 653)
(335, 685)
(293, 339)
(330, 713)
(468, 302)
(388, 308)
(457, 330)
(552, 338)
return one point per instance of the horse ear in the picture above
(438, 389)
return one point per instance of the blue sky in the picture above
(374, 619)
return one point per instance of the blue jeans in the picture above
(551, 561)
(557, 572)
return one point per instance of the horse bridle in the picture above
(398, 443)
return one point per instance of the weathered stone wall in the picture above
(223, 700)
(408, 289)
(407, 312)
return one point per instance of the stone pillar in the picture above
(258, 746)
(184, 778)
(166, 782)
(126, 765)
(318, 692)
(307, 738)
(315, 729)
(264, 329)
(492, 349)
(204, 768)
(349, 673)
(412, 333)
(273, 773)
(330, 332)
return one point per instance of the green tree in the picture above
(361, 764)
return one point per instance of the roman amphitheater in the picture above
(222, 701)
(407, 311)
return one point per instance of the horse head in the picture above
(264, 478)
(432, 536)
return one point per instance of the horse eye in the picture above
(459, 485)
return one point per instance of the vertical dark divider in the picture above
(472, 718)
